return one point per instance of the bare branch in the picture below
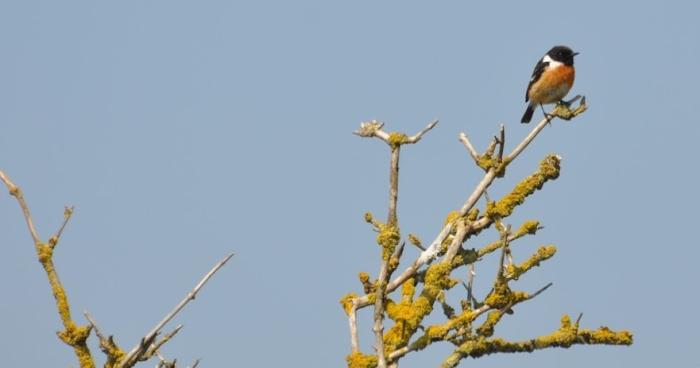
(468, 145)
(416, 137)
(16, 192)
(97, 330)
(392, 219)
(67, 213)
(138, 350)
(501, 142)
(352, 321)
(155, 347)
(538, 292)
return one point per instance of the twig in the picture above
(468, 145)
(538, 292)
(416, 137)
(502, 142)
(67, 213)
(16, 192)
(97, 330)
(504, 246)
(529, 138)
(156, 346)
(196, 363)
(470, 285)
(138, 350)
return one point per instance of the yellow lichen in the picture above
(528, 227)
(408, 289)
(453, 215)
(397, 139)
(364, 277)
(388, 238)
(486, 328)
(347, 302)
(513, 272)
(359, 360)
(414, 239)
(549, 170)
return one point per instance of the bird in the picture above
(551, 80)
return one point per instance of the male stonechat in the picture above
(551, 80)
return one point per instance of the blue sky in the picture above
(184, 130)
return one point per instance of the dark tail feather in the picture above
(527, 116)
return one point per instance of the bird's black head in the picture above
(562, 54)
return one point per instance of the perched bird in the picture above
(551, 80)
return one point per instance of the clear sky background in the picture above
(184, 130)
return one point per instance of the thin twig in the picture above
(470, 285)
(504, 245)
(16, 192)
(502, 142)
(67, 213)
(146, 341)
(156, 346)
(95, 328)
(196, 363)
(416, 137)
(538, 292)
(469, 146)
(529, 138)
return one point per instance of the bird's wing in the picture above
(536, 74)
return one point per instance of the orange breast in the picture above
(553, 85)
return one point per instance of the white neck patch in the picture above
(552, 63)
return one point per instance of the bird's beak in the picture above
(576, 53)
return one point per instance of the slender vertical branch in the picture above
(392, 219)
(352, 321)
(384, 273)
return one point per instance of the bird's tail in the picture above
(527, 116)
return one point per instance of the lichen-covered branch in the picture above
(566, 336)
(76, 336)
(389, 235)
(426, 281)
(73, 334)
